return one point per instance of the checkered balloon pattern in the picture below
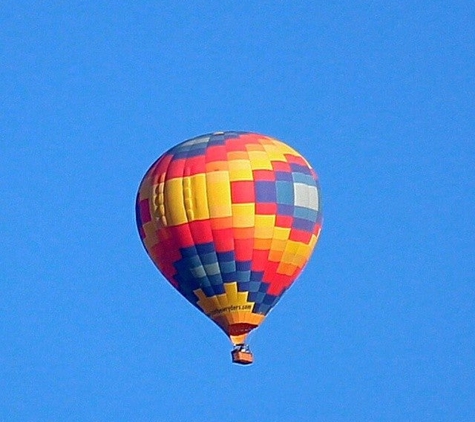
(230, 219)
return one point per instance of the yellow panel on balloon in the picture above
(264, 228)
(274, 153)
(285, 149)
(240, 170)
(199, 199)
(291, 248)
(281, 233)
(243, 215)
(219, 194)
(260, 160)
(174, 202)
(300, 260)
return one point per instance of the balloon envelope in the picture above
(230, 219)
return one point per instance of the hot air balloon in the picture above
(230, 219)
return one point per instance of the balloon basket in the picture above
(242, 355)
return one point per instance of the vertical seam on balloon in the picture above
(244, 149)
(155, 179)
(187, 154)
(308, 214)
(232, 216)
(152, 198)
(273, 232)
(187, 225)
(139, 193)
(211, 228)
(216, 297)
(232, 213)
(156, 226)
(255, 239)
(294, 254)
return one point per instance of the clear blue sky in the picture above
(378, 95)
